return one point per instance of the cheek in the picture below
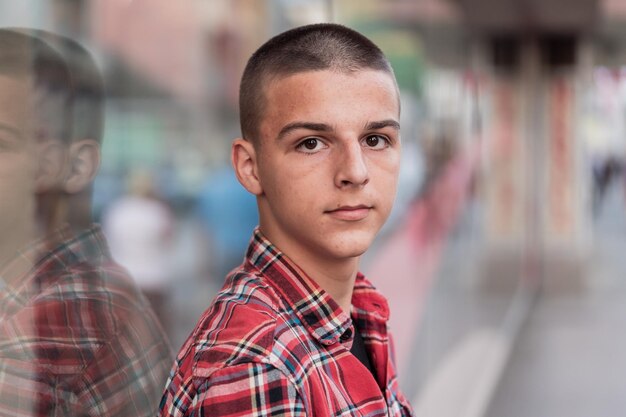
(386, 169)
(18, 170)
(280, 188)
(17, 189)
(293, 194)
(294, 178)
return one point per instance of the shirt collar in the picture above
(368, 302)
(317, 310)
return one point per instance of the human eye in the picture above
(310, 145)
(376, 142)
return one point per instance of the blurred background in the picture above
(503, 259)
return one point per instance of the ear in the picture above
(50, 165)
(243, 158)
(83, 165)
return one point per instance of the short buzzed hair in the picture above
(87, 86)
(64, 72)
(25, 56)
(322, 46)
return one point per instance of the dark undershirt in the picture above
(358, 350)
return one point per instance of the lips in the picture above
(350, 213)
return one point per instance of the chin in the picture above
(351, 245)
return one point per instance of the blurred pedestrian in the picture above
(140, 228)
(228, 213)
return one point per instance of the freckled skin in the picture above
(301, 186)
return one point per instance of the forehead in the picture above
(16, 102)
(331, 97)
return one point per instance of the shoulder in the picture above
(86, 310)
(89, 315)
(249, 388)
(238, 327)
(100, 297)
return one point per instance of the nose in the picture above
(351, 167)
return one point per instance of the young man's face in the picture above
(328, 161)
(18, 161)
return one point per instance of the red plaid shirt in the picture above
(76, 336)
(274, 343)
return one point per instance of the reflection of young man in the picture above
(76, 336)
(297, 330)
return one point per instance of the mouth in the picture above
(350, 213)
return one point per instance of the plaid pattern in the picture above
(274, 343)
(76, 336)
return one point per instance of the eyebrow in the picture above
(323, 127)
(382, 124)
(318, 127)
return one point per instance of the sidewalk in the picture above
(479, 352)
(569, 359)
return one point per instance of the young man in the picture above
(296, 329)
(76, 336)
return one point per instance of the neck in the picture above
(336, 280)
(51, 212)
(79, 212)
(57, 209)
(335, 276)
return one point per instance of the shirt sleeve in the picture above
(251, 389)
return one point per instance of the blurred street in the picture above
(568, 358)
(547, 358)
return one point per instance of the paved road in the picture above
(570, 357)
